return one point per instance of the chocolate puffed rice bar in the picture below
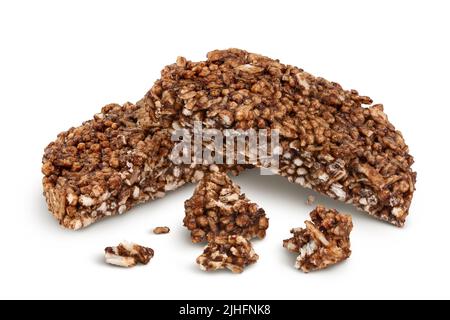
(328, 141)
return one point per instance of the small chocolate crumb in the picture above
(161, 230)
(310, 200)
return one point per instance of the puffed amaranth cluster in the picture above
(325, 241)
(128, 254)
(329, 141)
(218, 208)
(227, 252)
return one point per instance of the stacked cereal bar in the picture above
(328, 141)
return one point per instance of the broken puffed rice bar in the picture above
(230, 252)
(218, 207)
(325, 241)
(128, 254)
(332, 140)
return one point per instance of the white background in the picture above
(61, 61)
